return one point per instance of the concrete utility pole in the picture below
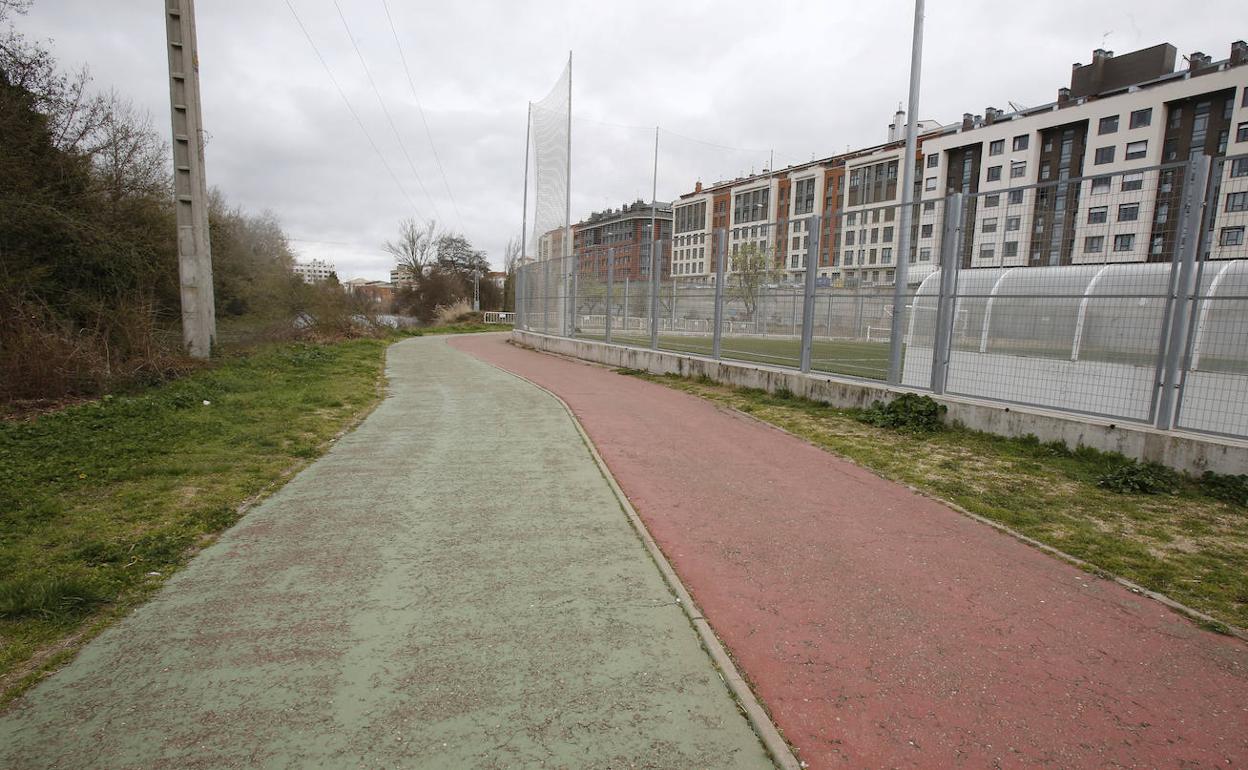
(901, 274)
(199, 318)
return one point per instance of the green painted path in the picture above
(454, 585)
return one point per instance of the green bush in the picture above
(1228, 488)
(909, 411)
(1140, 479)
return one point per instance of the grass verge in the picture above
(1186, 543)
(101, 502)
(465, 328)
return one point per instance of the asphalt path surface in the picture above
(454, 585)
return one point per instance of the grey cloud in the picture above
(799, 78)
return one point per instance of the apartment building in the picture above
(623, 235)
(315, 271)
(855, 195)
(1106, 161)
(771, 211)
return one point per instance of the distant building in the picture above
(1112, 132)
(624, 235)
(401, 277)
(316, 271)
(499, 278)
(379, 293)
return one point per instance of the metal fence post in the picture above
(517, 302)
(1195, 199)
(610, 293)
(573, 285)
(719, 238)
(814, 227)
(656, 266)
(672, 327)
(546, 295)
(942, 341)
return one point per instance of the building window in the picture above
(888, 233)
(1237, 201)
(1128, 212)
(1124, 242)
(1231, 236)
(1010, 249)
(1241, 134)
(1108, 125)
(1094, 244)
(929, 206)
(849, 237)
(1104, 155)
(1100, 184)
(1018, 168)
(994, 173)
(929, 184)
(886, 256)
(804, 196)
(1013, 223)
(1162, 214)
(797, 242)
(997, 147)
(992, 201)
(1021, 142)
(925, 254)
(989, 225)
(987, 251)
(1159, 243)
(1136, 150)
(1239, 167)
(1046, 170)
(1098, 215)
(1132, 182)
(1015, 197)
(750, 206)
(933, 161)
(1141, 118)
(925, 231)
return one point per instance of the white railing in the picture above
(498, 317)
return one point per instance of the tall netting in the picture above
(550, 141)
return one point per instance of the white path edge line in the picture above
(766, 730)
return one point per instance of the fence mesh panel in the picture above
(1067, 295)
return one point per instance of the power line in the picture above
(351, 109)
(411, 84)
(393, 128)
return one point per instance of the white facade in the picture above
(693, 246)
(316, 271)
(869, 220)
(1122, 187)
(805, 201)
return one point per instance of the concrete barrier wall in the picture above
(1189, 452)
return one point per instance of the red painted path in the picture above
(883, 629)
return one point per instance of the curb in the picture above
(759, 720)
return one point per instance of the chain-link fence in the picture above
(1122, 296)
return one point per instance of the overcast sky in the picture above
(800, 79)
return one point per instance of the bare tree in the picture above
(416, 248)
(752, 269)
(129, 155)
(511, 255)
